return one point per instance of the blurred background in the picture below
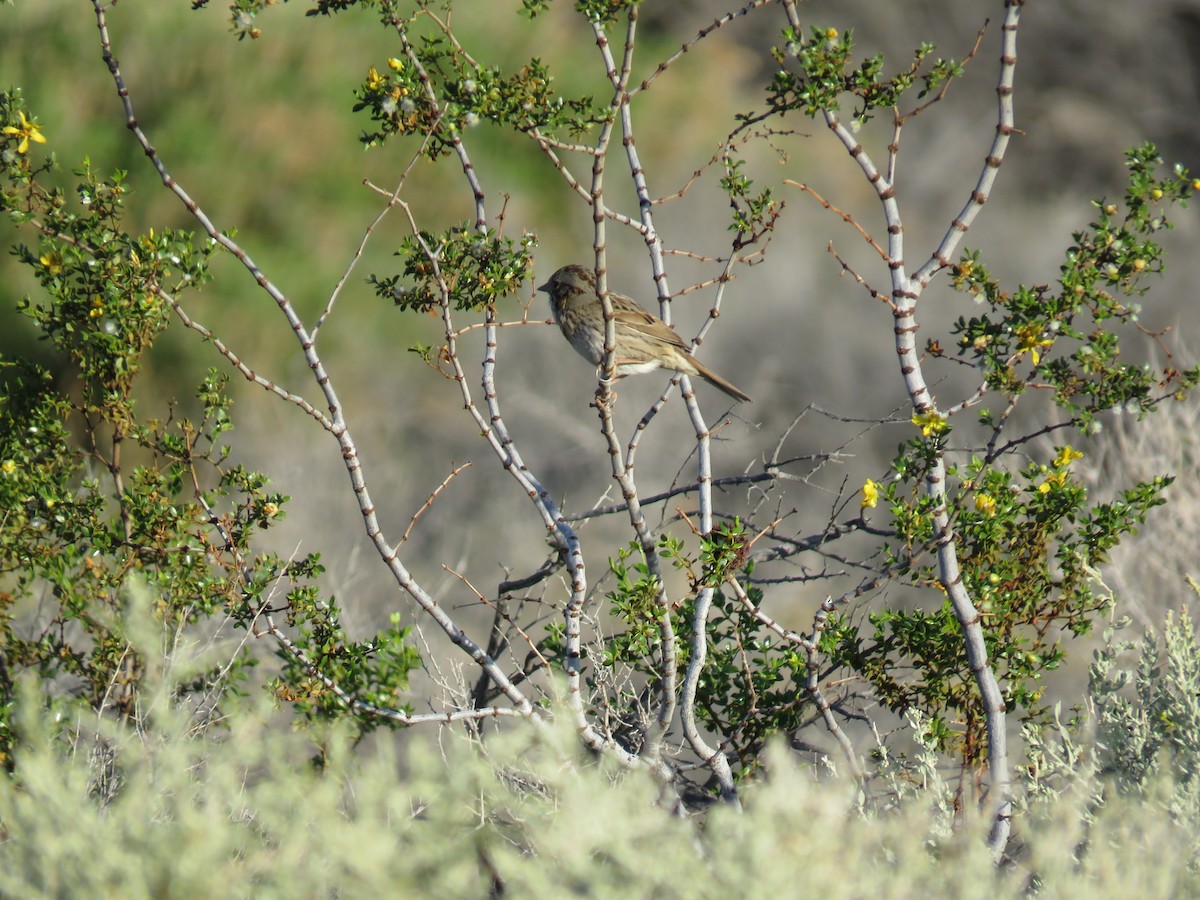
(262, 135)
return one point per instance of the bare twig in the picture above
(429, 502)
(842, 214)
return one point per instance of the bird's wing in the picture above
(637, 319)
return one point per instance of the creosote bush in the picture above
(137, 598)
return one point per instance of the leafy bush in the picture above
(238, 809)
(666, 667)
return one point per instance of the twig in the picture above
(849, 270)
(842, 214)
(362, 244)
(479, 595)
(429, 502)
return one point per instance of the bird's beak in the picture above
(544, 288)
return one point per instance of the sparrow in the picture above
(644, 342)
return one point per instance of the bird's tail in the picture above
(718, 382)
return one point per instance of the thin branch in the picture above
(429, 502)
(941, 93)
(236, 361)
(362, 706)
(482, 599)
(701, 35)
(862, 282)
(842, 214)
(727, 481)
(393, 197)
(940, 258)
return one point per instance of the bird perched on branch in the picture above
(644, 342)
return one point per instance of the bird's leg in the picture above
(606, 384)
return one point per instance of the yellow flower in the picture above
(8, 467)
(870, 492)
(1032, 341)
(1196, 184)
(374, 79)
(986, 504)
(1065, 455)
(962, 274)
(932, 423)
(831, 34)
(53, 262)
(1057, 480)
(29, 131)
(395, 65)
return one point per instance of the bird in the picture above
(644, 342)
